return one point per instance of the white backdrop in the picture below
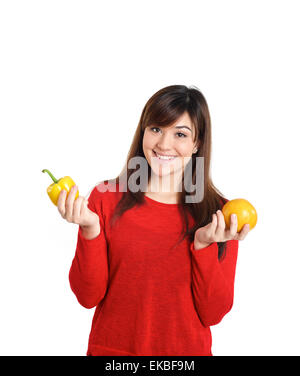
(74, 78)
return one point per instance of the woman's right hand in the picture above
(76, 211)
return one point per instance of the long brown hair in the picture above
(163, 109)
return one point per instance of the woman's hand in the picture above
(76, 211)
(216, 231)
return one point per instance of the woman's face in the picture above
(169, 149)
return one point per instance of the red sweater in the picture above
(150, 298)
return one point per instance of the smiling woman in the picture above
(168, 151)
(171, 112)
(157, 287)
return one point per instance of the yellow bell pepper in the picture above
(54, 189)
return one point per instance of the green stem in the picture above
(52, 177)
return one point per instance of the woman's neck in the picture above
(164, 189)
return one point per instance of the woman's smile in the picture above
(163, 158)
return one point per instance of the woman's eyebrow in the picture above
(183, 126)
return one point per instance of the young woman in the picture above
(158, 267)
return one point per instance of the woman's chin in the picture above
(165, 172)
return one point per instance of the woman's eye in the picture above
(182, 135)
(154, 129)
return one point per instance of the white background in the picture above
(75, 76)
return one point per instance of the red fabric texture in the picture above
(151, 298)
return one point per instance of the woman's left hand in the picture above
(216, 231)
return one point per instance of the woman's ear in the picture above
(196, 147)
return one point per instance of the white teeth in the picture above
(164, 157)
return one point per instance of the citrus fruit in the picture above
(244, 211)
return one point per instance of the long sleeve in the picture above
(142, 284)
(88, 274)
(213, 281)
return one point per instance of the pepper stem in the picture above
(51, 176)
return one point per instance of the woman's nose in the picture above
(165, 142)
